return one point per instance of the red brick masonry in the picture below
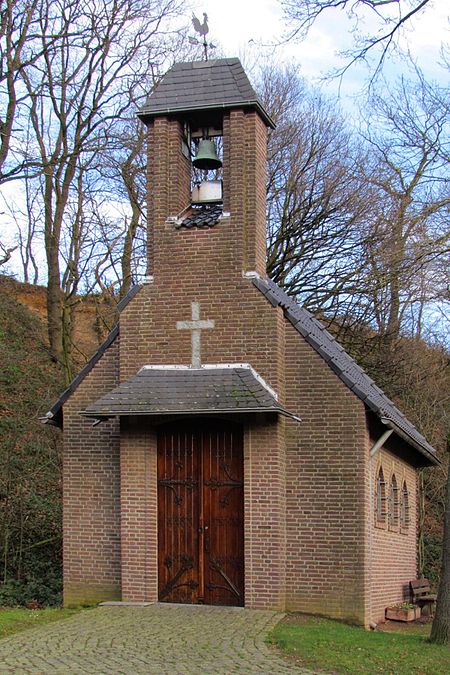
(311, 543)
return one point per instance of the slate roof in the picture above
(346, 367)
(157, 390)
(202, 85)
(203, 216)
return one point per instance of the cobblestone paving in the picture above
(175, 639)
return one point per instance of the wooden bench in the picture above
(421, 596)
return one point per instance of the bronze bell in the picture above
(207, 156)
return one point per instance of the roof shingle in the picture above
(200, 85)
(157, 390)
(203, 216)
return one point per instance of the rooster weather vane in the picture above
(202, 29)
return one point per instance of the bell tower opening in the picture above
(206, 152)
(207, 143)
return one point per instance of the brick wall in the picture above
(325, 489)
(340, 562)
(244, 185)
(91, 510)
(139, 511)
(392, 550)
(243, 246)
(308, 499)
(265, 515)
(168, 175)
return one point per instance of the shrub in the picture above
(46, 592)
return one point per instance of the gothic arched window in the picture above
(380, 504)
(393, 502)
(404, 507)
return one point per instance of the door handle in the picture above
(206, 539)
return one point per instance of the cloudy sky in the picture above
(240, 26)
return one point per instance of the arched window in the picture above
(393, 502)
(404, 507)
(380, 505)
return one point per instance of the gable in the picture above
(334, 355)
(346, 368)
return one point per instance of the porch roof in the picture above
(160, 390)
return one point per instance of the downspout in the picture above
(373, 450)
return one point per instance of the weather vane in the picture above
(202, 29)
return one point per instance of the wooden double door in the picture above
(201, 513)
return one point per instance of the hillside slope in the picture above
(93, 316)
(30, 466)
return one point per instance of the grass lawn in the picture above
(336, 648)
(13, 620)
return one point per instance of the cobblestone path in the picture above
(163, 638)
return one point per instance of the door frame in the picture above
(197, 425)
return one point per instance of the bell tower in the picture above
(205, 121)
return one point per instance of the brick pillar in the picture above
(244, 178)
(168, 186)
(265, 516)
(139, 513)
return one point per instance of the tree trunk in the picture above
(54, 304)
(67, 341)
(128, 252)
(440, 631)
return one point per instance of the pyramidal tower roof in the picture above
(201, 85)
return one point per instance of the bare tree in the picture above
(77, 92)
(391, 17)
(26, 217)
(406, 133)
(132, 171)
(124, 169)
(317, 201)
(19, 47)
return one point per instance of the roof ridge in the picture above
(240, 78)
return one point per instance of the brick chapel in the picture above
(221, 447)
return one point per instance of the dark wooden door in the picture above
(201, 514)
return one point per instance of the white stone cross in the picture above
(196, 326)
